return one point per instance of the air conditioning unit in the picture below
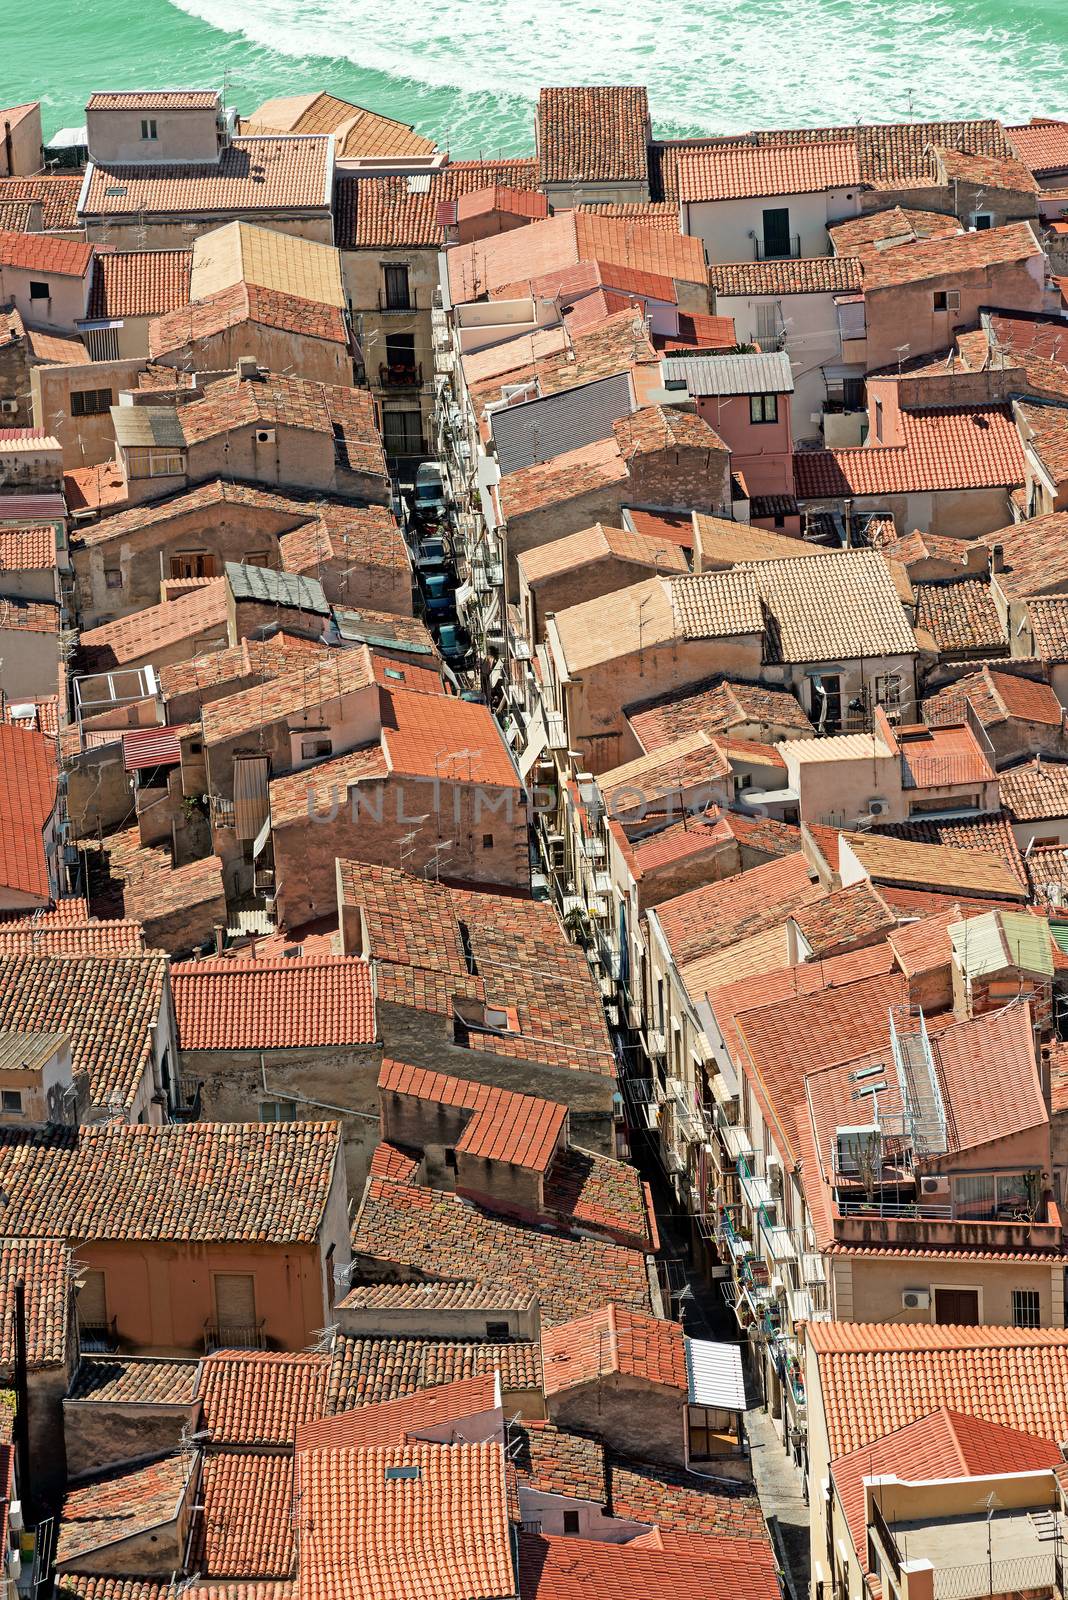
(915, 1299)
(878, 807)
(9, 408)
(265, 436)
(935, 1188)
(14, 1516)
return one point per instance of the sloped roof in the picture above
(613, 1340)
(402, 212)
(263, 173)
(733, 170)
(949, 447)
(28, 785)
(593, 135)
(304, 1002)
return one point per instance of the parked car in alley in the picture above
(428, 494)
(439, 595)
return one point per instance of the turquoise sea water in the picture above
(467, 71)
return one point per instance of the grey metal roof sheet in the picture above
(276, 588)
(148, 425)
(759, 373)
(538, 430)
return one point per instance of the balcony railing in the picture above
(399, 303)
(400, 375)
(98, 1338)
(234, 1336)
(782, 250)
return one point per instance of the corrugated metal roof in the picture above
(714, 1374)
(988, 944)
(150, 747)
(148, 425)
(726, 375)
(276, 588)
(539, 430)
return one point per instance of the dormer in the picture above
(38, 1085)
(153, 127)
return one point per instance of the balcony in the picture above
(98, 1338)
(922, 1226)
(400, 375)
(788, 249)
(188, 1106)
(399, 304)
(236, 1336)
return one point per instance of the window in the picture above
(487, 841)
(769, 324)
(102, 343)
(497, 1330)
(450, 1158)
(92, 1301)
(398, 294)
(1026, 1308)
(313, 749)
(878, 419)
(112, 578)
(957, 1308)
(278, 1111)
(852, 394)
(192, 564)
(402, 433)
(712, 1432)
(571, 1522)
(763, 408)
(165, 464)
(986, 1197)
(257, 558)
(11, 1101)
(90, 402)
(981, 221)
(148, 128)
(235, 1305)
(39, 290)
(888, 689)
(946, 299)
(776, 233)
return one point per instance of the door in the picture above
(776, 233)
(92, 1302)
(957, 1307)
(826, 707)
(193, 564)
(235, 1307)
(398, 297)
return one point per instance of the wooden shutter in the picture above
(235, 1299)
(92, 1300)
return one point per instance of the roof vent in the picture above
(395, 1474)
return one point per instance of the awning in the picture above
(150, 747)
(250, 795)
(537, 743)
(714, 1374)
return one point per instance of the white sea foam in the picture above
(710, 64)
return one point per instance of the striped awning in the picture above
(150, 747)
(250, 795)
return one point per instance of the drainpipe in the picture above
(22, 1397)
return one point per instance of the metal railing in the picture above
(188, 1106)
(1018, 1575)
(792, 252)
(98, 1338)
(399, 303)
(400, 375)
(234, 1336)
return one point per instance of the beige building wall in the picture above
(364, 280)
(176, 230)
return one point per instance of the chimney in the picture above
(997, 558)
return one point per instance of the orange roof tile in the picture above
(239, 303)
(265, 173)
(28, 786)
(243, 1527)
(813, 275)
(393, 213)
(301, 1003)
(519, 1129)
(252, 1397)
(877, 1377)
(1041, 144)
(139, 283)
(57, 195)
(45, 252)
(403, 1421)
(718, 914)
(43, 1265)
(613, 1340)
(445, 738)
(732, 170)
(142, 634)
(952, 447)
(948, 256)
(658, 1566)
(592, 135)
(122, 1505)
(392, 1522)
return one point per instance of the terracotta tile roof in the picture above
(730, 171)
(89, 1586)
(358, 133)
(915, 547)
(367, 534)
(143, 634)
(154, 100)
(417, 727)
(550, 1460)
(402, 1421)
(723, 705)
(676, 843)
(699, 332)
(952, 447)
(299, 794)
(401, 212)
(392, 1161)
(141, 882)
(1034, 554)
(844, 918)
(1045, 433)
(683, 1566)
(600, 1195)
(28, 616)
(682, 1501)
(464, 1295)
(960, 616)
(995, 697)
(44, 1267)
(565, 477)
(719, 914)
(245, 1529)
(43, 716)
(365, 1370)
(948, 256)
(28, 786)
(841, 604)
(655, 428)
(694, 759)
(139, 283)
(1041, 144)
(990, 833)
(107, 1005)
(57, 347)
(135, 1381)
(596, 135)
(576, 549)
(442, 1529)
(813, 275)
(302, 1003)
(45, 252)
(200, 1181)
(121, 1505)
(876, 1377)
(519, 1129)
(939, 867)
(57, 195)
(654, 214)
(414, 939)
(267, 173)
(241, 303)
(872, 231)
(313, 680)
(429, 1231)
(986, 171)
(1049, 627)
(613, 1340)
(253, 1397)
(1035, 791)
(346, 415)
